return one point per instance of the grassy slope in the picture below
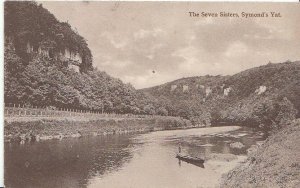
(275, 164)
(92, 126)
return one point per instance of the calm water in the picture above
(139, 161)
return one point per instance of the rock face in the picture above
(202, 86)
(73, 56)
(261, 90)
(241, 98)
(185, 88)
(46, 49)
(237, 145)
(29, 48)
(227, 91)
(74, 67)
(45, 36)
(208, 91)
(173, 87)
(222, 86)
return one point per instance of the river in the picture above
(129, 161)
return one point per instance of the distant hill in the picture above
(48, 64)
(258, 95)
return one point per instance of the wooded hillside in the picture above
(263, 95)
(37, 79)
(28, 24)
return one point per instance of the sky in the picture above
(151, 43)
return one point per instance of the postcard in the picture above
(118, 94)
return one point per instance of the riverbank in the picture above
(276, 163)
(35, 129)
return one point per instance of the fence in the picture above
(22, 111)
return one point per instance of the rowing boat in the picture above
(189, 159)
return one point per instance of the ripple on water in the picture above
(135, 161)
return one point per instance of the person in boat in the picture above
(179, 148)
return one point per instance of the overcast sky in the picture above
(151, 43)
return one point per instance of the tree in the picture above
(162, 111)
(149, 109)
(286, 113)
(265, 113)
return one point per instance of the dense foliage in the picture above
(29, 22)
(36, 80)
(44, 82)
(32, 79)
(243, 104)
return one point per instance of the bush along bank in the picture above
(276, 163)
(43, 129)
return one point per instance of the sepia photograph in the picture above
(141, 94)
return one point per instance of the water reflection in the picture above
(147, 160)
(66, 163)
(199, 164)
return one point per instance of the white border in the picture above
(2, 64)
